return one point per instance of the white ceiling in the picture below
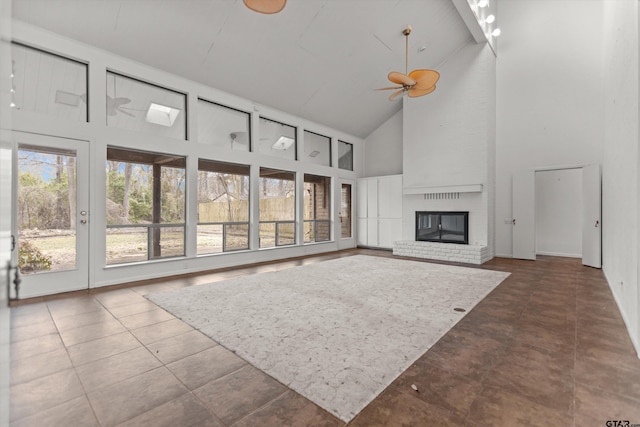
(317, 59)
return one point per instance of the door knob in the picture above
(597, 224)
(83, 213)
(514, 221)
(83, 221)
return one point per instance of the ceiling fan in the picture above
(416, 83)
(115, 106)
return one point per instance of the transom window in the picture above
(139, 106)
(345, 155)
(277, 139)
(223, 127)
(45, 83)
(317, 149)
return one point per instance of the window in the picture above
(345, 155)
(139, 106)
(277, 139)
(345, 211)
(317, 149)
(277, 208)
(317, 208)
(50, 84)
(223, 127)
(223, 207)
(145, 205)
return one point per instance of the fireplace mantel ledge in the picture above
(468, 188)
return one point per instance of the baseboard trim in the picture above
(503, 256)
(543, 253)
(634, 340)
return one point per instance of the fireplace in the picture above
(444, 227)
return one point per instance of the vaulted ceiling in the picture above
(317, 59)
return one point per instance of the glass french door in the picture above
(51, 217)
(346, 214)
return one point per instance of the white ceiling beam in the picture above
(470, 20)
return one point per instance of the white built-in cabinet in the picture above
(379, 208)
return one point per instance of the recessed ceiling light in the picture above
(283, 143)
(490, 19)
(161, 115)
(314, 153)
(67, 98)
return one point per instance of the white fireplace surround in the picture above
(469, 254)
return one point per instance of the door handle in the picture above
(514, 221)
(597, 224)
(83, 221)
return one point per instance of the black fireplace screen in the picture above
(445, 227)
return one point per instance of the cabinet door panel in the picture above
(361, 194)
(390, 197)
(372, 198)
(372, 232)
(362, 231)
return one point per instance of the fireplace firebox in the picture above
(444, 227)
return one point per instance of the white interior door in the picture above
(591, 216)
(524, 220)
(51, 213)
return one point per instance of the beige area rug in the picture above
(339, 331)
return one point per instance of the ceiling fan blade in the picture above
(401, 79)
(424, 78)
(414, 93)
(265, 6)
(123, 112)
(394, 95)
(389, 88)
(120, 101)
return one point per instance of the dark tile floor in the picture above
(547, 347)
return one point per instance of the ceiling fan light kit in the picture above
(416, 83)
(267, 7)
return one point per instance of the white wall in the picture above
(620, 217)
(449, 137)
(445, 132)
(550, 93)
(383, 148)
(558, 207)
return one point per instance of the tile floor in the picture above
(547, 347)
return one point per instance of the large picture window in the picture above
(317, 208)
(223, 207)
(139, 106)
(223, 127)
(145, 205)
(277, 208)
(277, 139)
(45, 83)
